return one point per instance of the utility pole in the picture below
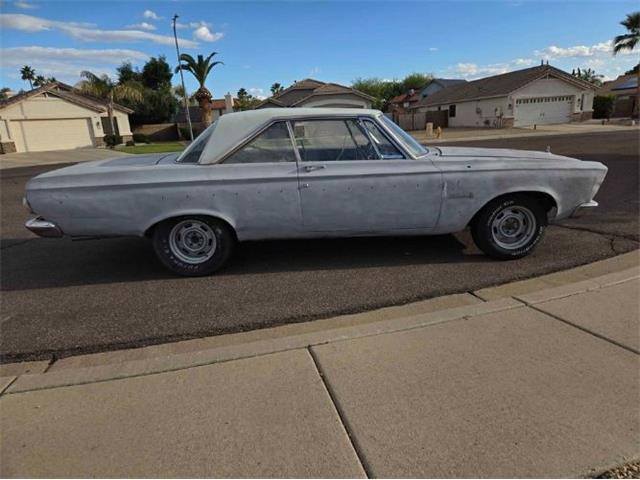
(184, 90)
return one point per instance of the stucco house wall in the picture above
(500, 111)
(48, 122)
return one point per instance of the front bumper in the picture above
(43, 228)
(582, 208)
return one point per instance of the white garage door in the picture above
(543, 110)
(42, 135)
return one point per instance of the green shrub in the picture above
(140, 138)
(112, 140)
(130, 143)
(603, 106)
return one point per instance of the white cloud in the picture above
(28, 23)
(433, 49)
(203, 33)
(553, 51)
(473, 70)
(142, 25)
(25, 5)
(315, 71)
(66, 63)
(524, 62)
(151, 15)
(257, 92)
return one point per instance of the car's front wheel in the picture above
(509, 227)
(193, 245)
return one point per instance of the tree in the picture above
(4, 93)
(381, 90)
(603, 106)
(156, 73)
(633, 70)
(246, 101)
(40, 80)
(126, 73)
(588, 75)
(415, 81)
(200, 69)
(627, 42)
(105, 88)
(276, 88)
(29, 74)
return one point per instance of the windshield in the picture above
(409, 142)
(193, 151)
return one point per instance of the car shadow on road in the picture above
(54, 263)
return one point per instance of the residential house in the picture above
(438, 84)
(314, 93)
(625, 89)
(402, 103)
(56, 116)
(533, 96)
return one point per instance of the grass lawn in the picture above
(152, 148)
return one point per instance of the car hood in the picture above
(498, 153)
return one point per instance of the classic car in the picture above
(310, 172)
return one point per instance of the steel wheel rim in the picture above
(192, 241)
(513, 227)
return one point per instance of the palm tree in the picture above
(200, 69)
(588, 75)
(276, 88)
(627, 42)
(28, 74)
(105, 88)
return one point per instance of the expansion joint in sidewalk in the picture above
(586, 330)
(341, 415)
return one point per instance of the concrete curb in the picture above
(390, 320)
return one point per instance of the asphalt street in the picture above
(62, 298)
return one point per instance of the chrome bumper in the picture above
(580, 209)
(43, 228)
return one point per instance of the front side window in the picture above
(271, 146)
(387, 149)
(452, 111)
(332, 140)
(407, 140)
(194, 151)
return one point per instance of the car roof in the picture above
(232, 129)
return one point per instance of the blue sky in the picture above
(337, 41)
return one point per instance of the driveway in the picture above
(16, 160)
(62, 298)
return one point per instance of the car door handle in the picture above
(311, 168)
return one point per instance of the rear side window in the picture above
(332, 140)
(387, 149)
(271, 146)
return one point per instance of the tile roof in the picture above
(314, 88)
(623, 82)
(497, 86)
(66, 92)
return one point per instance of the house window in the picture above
(271, 146)
(452, 111)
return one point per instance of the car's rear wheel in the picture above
(193, 245)
(509, 227)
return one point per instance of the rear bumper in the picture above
(43, 228)
(583, 208)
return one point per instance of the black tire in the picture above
(225, 241)
(484, 230)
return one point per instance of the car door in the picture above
(353, 178)
(257, 185)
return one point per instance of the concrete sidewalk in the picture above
(531, 379)
(467, 134)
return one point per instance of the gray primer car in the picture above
(311, 172)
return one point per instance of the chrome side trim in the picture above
(43, 228)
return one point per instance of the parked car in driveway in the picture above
(311, 172)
